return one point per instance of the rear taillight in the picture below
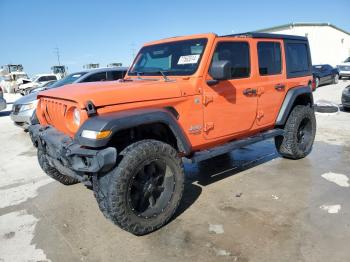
(313, 84)
(0, 89)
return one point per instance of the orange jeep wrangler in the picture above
(192, 97)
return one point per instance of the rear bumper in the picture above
(68, 157)
(2, 104)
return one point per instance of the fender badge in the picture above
(196, 129)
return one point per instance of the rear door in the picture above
(271, 79)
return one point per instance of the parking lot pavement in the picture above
(249, 205)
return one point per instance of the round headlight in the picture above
(76, 116)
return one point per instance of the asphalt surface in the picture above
(249, 205)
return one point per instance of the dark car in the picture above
(325, 74)
(345, 98)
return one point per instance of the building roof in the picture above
(301, 24)
(267, 35)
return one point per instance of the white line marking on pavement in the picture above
(16, 234)
(339, 179)
(331, 209)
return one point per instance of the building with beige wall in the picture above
(328, 43)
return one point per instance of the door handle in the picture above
(280, 87)
(249, 91)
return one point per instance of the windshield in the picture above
(173, 58)
(347, 60)
(67, 80)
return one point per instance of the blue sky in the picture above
(108, 31)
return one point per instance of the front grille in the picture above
(15, 109)
(54, 111)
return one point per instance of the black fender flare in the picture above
(289, 100)
(118, 121)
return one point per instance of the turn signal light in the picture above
(96, 134)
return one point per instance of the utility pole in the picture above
(57, 52)
(133, 50)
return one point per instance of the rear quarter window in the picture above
(298, 58)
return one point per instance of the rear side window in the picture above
(238, 54)
(269, 54)
(298, 59)
(96, 77)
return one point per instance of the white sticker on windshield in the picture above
(188, 59)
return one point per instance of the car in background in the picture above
(325, 74)
(344, 68)
(2, 100)
(35, 82)
(345, 98)
(24, 108)
(42, 86)
(9, 83)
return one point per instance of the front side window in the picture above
(50, 78)
(96, 77)
(115, 75)
(173, 58)
(269, 55)
(238, 54)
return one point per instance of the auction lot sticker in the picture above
(188, 59)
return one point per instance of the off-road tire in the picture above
(111, 189)
(288, 145)
(53, 172)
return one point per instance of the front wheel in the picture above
(143, 192)
(317, 82)
(53, 172)
(300, 131)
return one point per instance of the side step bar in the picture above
(220, 150)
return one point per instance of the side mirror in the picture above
(220, 70)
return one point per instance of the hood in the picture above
(28, 85)
(26, 99)
(115, 92)
(344, 64)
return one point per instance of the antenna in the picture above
(57, 52)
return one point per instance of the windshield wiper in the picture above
(161, 72)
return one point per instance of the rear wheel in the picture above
(53, 172)
(143, 192)
(300, 131)
(335, 79)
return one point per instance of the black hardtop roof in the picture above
(268, 36)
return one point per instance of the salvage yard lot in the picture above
(249, 205)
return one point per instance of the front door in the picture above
(272, 85)
(230, 105)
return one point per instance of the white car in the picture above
(36, 81)
(10, 81)
(344, 68)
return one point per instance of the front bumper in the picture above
(2, 104)
(22, 118)
(344, 73)
(67, 156)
